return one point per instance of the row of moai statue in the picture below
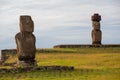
(25, 39)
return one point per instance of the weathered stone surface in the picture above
(25, 41)
(96, 25)
(26, 24)
(96, 36)
(4, 57)
(96, 32)
(76, 46)
(25, 45)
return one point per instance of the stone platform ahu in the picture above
(25, 41)
(96, 32)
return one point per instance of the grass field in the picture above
(89, 63)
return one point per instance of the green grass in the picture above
(78, 74)
(94, 61)
(89, 63)
(81, 50)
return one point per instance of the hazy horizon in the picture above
(60, 21)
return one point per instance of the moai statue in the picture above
(96, 32)
(25, 41)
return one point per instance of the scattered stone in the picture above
(40, 68)
(4, 58)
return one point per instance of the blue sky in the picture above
(60, 21)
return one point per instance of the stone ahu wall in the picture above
(5, 55)
(7, 52)
(84, 46)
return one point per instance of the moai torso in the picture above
(96, 32)
(25, 44)
(96, 37)
(25, 41)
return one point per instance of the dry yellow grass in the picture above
(93, 61)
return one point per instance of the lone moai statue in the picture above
(25, 41)
(96, 32)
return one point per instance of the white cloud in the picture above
(51, 16)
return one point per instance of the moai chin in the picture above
(25, 41)
(96, 32)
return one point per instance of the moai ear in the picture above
(26, 24)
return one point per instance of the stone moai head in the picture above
(26, 24)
